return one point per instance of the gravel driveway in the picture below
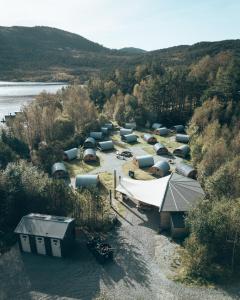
(140, 270)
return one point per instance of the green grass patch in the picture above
(107, 180)
(140, 174)
(76, 167)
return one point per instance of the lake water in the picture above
(15, 94)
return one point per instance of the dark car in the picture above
(126, 153)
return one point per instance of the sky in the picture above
(146, 24)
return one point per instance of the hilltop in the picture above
(44, 53)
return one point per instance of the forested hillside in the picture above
(43, 53)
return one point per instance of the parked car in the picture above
(126, 153)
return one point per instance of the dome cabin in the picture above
(156, 126)
(97, 135)
(131, 125)
(89, 155)
(70, 154)
(182, 151)
(160, 168)
(144, 161)
(186, 170)
(149, 138)
(59, 171)
(104, 130)
(182, 138)
(129, 138)
(85, 181)
(160, 149)
(109, 126)
(125, 131)
(178, 128)
(106, 146)
(89, 143)
(163, 131)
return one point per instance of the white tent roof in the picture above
(147, 191)
(171, 193)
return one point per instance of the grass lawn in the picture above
(107, 180)
(139, 173)
(76, 167)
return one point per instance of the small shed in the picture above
(161, 168)
(156, 125)
(144, 161)
(160, 149)
(108, 125)
(89, 155)
(106, 146)
(85, 181)
(149, 138)
(46, 234)
(182, 151)
(59, 171)
(89, 143)
(186, 170)
(129, 138)
(131, 125)
(162, 131)
(182, 138)
(104, 130)
(97, 135)
(178, 128)
(70, 154)
(125, 131)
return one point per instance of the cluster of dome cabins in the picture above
(98, 140)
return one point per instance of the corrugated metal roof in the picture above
(184, 169)
(107, 145)
(181, 194)
(44, 225)
(125, 131)
(130, 138)
(184, 149)
(148, 136)
(98, 135)
(58, 166)
(131, 125)
(145, 161)
(162, 165)
(179, 128)
(108, 125)
(104, 130)
(182, 138)
(162, 131)
(89, 151)
(158, 146)
(71, 153)
(86, 180)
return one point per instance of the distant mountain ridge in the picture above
(50, 54)
(132, 50)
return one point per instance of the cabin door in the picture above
(40, 245)
(25, 243)
(56, 247)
